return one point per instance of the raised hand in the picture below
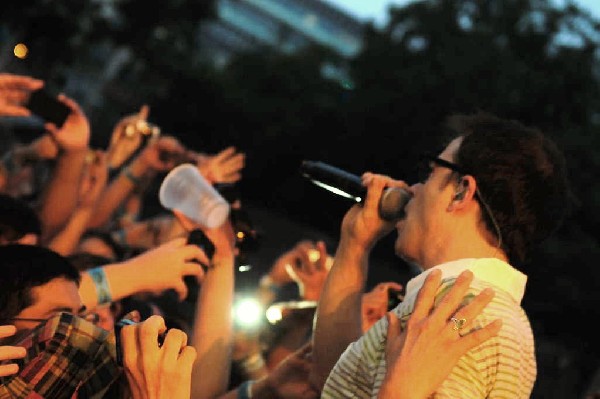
(8, 352)
(223, 167)
(289, 380)
(165, 266)
(126, 138)
(308, 266)
(161, 154)
(156, 371)
(374, 303)
(95, 178)
(14, 92)
(74, 134)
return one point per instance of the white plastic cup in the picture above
(185, 189)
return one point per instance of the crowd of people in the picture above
(98, 302)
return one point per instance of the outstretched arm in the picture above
(338, 316)
(212, 333)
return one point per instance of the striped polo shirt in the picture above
(501, 367)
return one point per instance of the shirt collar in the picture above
(490, 270)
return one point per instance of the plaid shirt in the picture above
(66, 357)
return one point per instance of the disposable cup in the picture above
(185, 189)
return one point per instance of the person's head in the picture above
(497, 189)
(37, 283)
(19, 223)
(96, 242)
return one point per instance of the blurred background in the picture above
(361, 89)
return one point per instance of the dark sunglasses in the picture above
(428, 161)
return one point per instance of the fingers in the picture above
(476, 337)
(375, 185)
(454, 296)
(144, 112)
(10, 352)
(394, 327)
(175, 340)
(470, 311)
(194, 269)
(7, 331)
(8, 369)
(426, 296)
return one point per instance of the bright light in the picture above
(274, 314)
(21, 51)
(247, 312)
(336, 190)
(244, 268)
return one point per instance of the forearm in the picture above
(338, 315)
(67, 239)
(61, 194)
(212, 334)
(123, 279)
(117, 192)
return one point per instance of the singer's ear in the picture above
(465, 190)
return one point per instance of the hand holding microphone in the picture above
(338, 181)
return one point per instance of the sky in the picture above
(376, 10)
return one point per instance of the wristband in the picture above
(102, 289)
(244, 391)
(129, 175)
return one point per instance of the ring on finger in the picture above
(458, 323)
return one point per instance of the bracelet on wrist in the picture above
(101, 283)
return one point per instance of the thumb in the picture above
(144, 112)
(181, 290)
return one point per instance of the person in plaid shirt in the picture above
(65, 352)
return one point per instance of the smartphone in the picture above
(48, 107)
(119, 347)
(197, 237)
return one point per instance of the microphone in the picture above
(340, 182)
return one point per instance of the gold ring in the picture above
(458, 323)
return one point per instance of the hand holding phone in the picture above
(48, 107)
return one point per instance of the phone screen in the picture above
(48, 107)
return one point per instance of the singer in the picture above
(495, 191)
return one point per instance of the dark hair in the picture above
(107, 238)
(24, 267)
(521, 175)
(17, 218)
(84, 260)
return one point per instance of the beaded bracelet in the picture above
(101, 282)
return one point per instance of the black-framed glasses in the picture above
(427, 162)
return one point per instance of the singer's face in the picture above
(423, 232)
